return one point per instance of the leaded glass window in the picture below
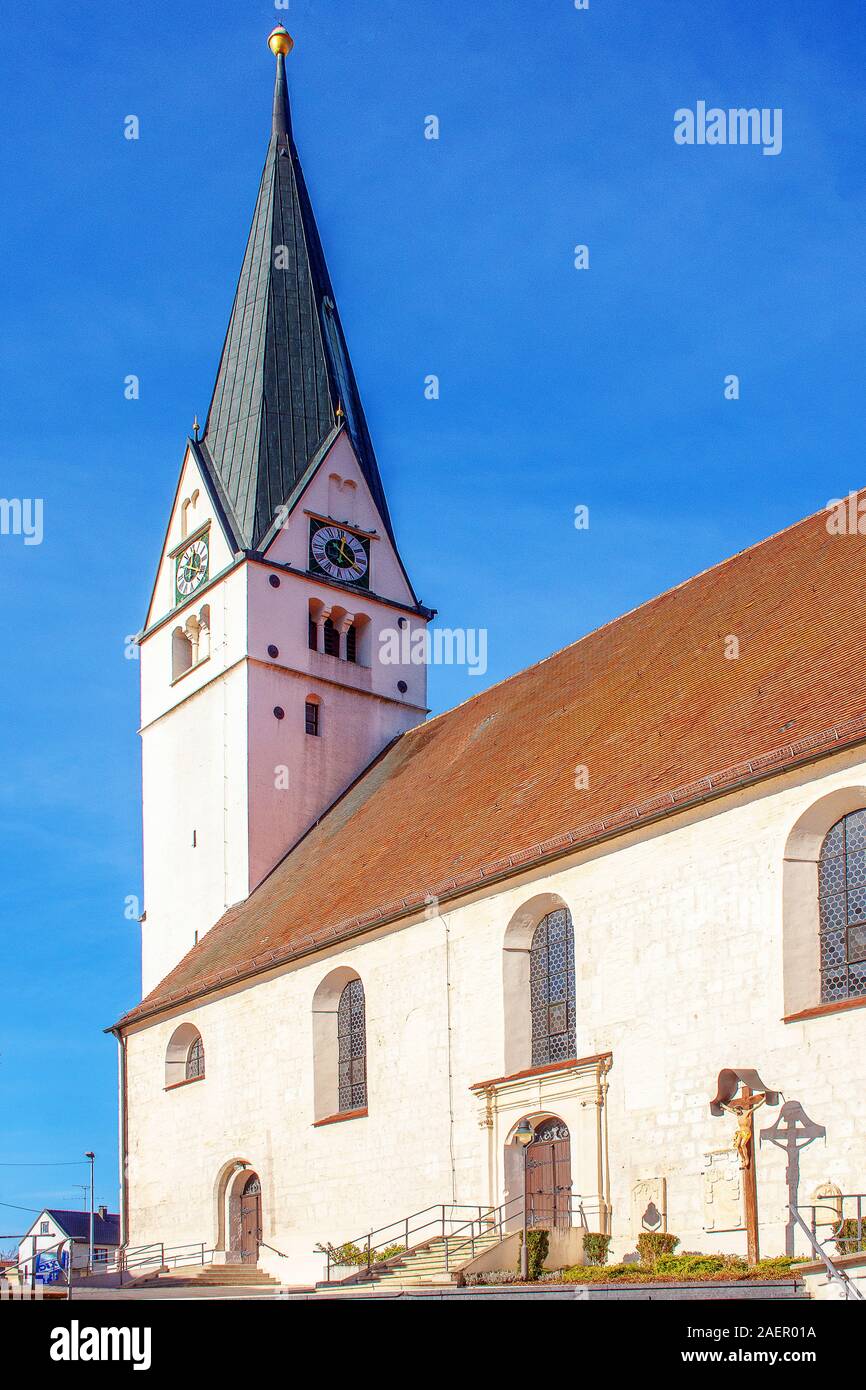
(352, 1040)
(195, 1060)
(842, 909)
(551, 988)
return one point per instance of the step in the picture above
(414, 1283)
(236, 1279)
(221, 1274)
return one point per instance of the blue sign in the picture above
(50, 1269)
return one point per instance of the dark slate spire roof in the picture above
(285, 384)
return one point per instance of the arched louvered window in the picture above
(331, 639)
(352, 1048)
(551, 986)
(842, 909)
(195, 1059)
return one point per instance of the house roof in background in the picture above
(76, 1224)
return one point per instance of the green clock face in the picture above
(191, 568)
(339, 554)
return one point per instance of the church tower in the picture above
(264, 694)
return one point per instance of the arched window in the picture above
(331, 639)
(339, 1046)
(181, 653)
(184, 1056)
(190, 644)
(195, 1059)
(352, 1048)
(351, 643)
(842, 909)
(551, 989)
(203, 634)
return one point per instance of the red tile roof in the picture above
(649, 704)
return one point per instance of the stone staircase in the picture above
(425, 1265)
(226, 1276)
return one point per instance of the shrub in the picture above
(652, 1244)
(488, 1277)
(537, 1245)
(602, 1274)
(595, 1247)
(775, 1265)
(847, 1241)
(351, 1254)
(692, 1265)
(389, 1252)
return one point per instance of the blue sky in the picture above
(559, 387)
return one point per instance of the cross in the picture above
(753, 1094)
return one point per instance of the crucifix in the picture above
(752, 1095)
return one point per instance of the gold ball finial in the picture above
(279, 41)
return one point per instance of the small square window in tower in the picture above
(311, 718)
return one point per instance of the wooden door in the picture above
(251, 1220)
(548, 1175)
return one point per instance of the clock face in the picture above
(191, 568)
(336, 552)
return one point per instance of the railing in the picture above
(28, 1263)
(460, 1245)
(837, 1224)
(446, 1221)
(422, 1226)
(158, 1255)
(264, 1245)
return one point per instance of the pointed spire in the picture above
(285, 384)
(281, 44)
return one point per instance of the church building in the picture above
(589, 908)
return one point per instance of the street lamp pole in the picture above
(92, 1157)
(523, 1136)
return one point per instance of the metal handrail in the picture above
(274, 1249)
(834, 1271)
(498, 1225)
(485, 1218)
(158, 1254)
(31, 1260)
(836, 1204)
(405, 1228)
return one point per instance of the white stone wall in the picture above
(228, 786)
(678, 938)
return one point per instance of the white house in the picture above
(56, 1231)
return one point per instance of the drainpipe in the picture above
(123, 1135)
(608, 1208)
